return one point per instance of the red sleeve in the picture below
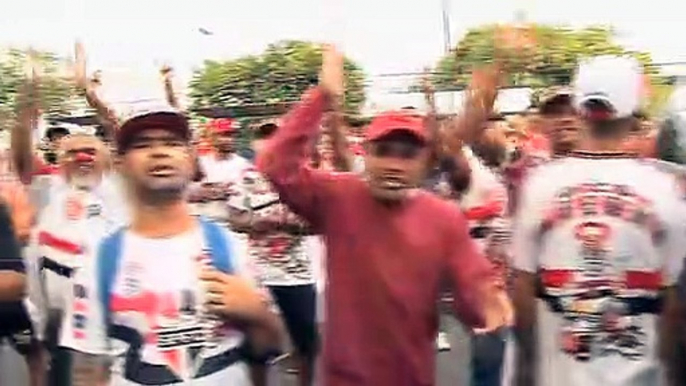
(285, 159)
(472, 276)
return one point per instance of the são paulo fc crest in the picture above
(593, 234)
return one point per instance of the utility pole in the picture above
(447, 38)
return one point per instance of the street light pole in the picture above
(447, 39)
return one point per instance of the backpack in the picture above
(109, 255)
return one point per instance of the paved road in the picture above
(451, 366)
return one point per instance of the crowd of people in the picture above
(140, 257)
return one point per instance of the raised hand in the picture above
(167, 72)
(29, 96)
(331, 77)
(427, 84)
(485, 83)
(80, 60)
(513, 42)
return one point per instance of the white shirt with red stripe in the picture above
(68, 231)
(484, 205)
(604, 236)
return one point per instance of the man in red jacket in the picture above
(390, 245)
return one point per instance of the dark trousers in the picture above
(60, 358)
(488, 351)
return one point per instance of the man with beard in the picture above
(599, 240)
(81, 210)
(390, 245)
(168, 290)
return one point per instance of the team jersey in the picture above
(280, 258)
(67, 232)
(484, 205)
(603, 236)
(159, 334)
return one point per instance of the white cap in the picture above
(161, 115)
(617, 81)
(144, 107)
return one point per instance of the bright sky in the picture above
(383, 35)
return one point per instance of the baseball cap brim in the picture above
(390, 123)
(396, 130)
(174, 122)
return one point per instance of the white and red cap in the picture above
(614, 82)
(145, 116)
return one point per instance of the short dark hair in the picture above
(611, 128)
(53, 132)
(265, 131)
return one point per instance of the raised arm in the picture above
(88, 87)
(167, 78)
(285, 159)
(342, 155)
(27, 121)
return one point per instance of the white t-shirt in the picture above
(223, 170)
(157, 303)
(604, 236)
(226, 171)
(484, 205)
(67, 232)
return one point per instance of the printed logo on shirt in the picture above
(132, 274)
(74, 209)
(600, 299)
(185, 333)
(94, 210)
(614, 201)
(79, 319)
(278, 256)
(172, 325)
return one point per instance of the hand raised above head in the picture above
(331, 77)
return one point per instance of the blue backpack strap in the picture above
(218, 244)
(109, 255)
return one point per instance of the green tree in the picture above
(280, 74)
(552, 61)
(56, 91)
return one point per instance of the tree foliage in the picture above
(280, 74)
(56, 91)
(552, 61)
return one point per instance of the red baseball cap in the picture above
(390, 122)
(223, 125)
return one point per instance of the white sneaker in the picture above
(442, 343)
